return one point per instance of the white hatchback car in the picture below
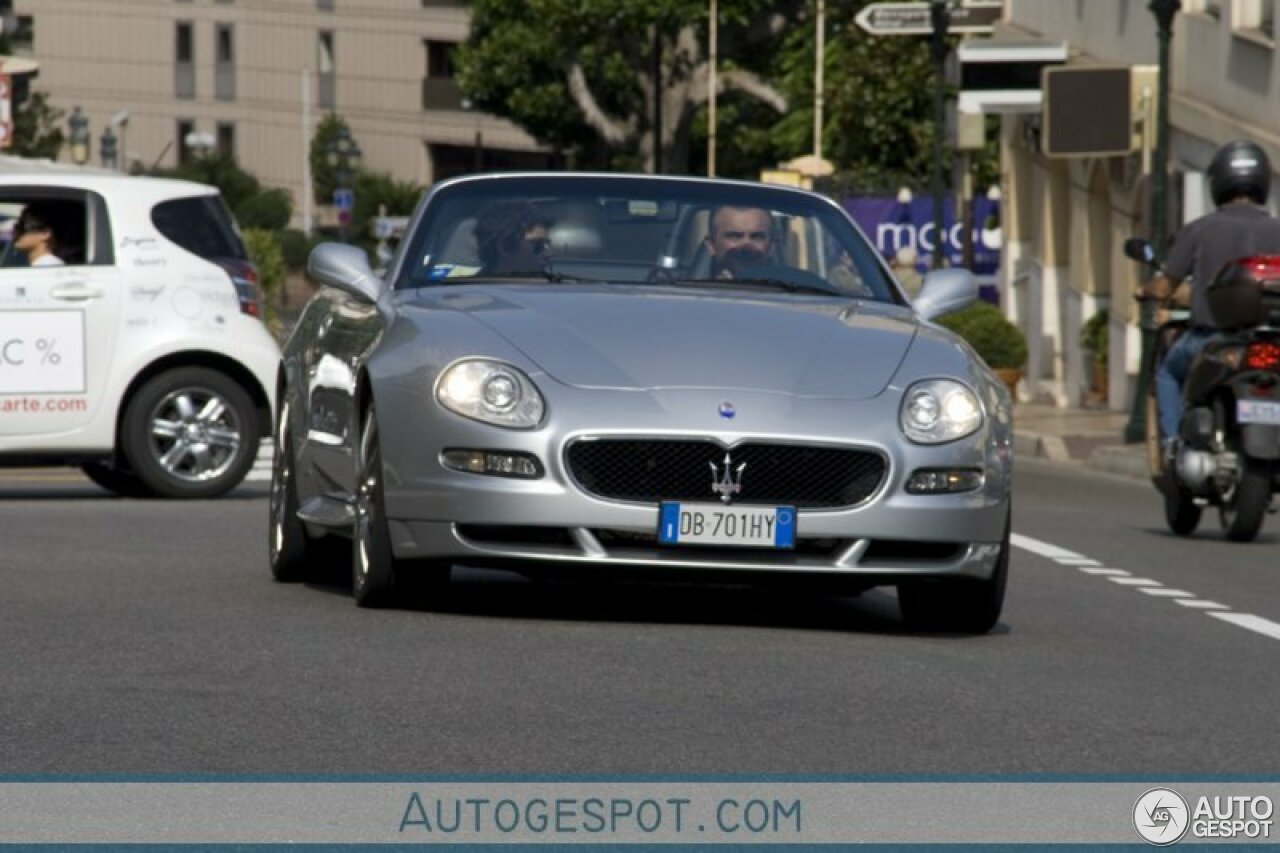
(143, 357)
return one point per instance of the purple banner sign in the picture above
(893, 225)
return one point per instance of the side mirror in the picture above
(346, 268)
(944, 291)
(1139, 249)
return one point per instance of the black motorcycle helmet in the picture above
(1239, 168)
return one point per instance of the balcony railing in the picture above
(224, 82)
(327, 96)
(184, 80)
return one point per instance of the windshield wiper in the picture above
(777, 283)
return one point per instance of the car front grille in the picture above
(652, 470)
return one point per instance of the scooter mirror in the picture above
(1139, 250)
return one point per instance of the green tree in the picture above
(324, 177)
(253, 205)
(529, 59)
(37, 128)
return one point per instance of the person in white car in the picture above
(34, 236)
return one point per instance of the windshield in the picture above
(661, 232)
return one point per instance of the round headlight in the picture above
(492, 392)
(922, 410)
(501, 393)
(939, 410)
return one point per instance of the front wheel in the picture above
(190, 432)
(962, 605)
(292, 553)
(373, 565)
(1242, 516)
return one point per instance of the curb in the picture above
(1122, 461)
(1128, 462)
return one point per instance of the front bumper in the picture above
(437, 513)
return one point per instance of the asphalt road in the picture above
(147, 637)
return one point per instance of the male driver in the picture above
(512, 238)
(739, 238)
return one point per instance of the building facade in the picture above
(1066, 218)
(254, 77)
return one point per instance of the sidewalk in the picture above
(1090, 437)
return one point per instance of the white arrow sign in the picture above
(913, 19)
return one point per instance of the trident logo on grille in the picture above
(726, 485)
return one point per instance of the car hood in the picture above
(665, 338)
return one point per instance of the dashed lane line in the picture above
(1086, 565)
(1265, 627)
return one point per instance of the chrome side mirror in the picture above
(944, 291)
(346, 268)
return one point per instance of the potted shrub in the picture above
(997, 341)
(1094, 339)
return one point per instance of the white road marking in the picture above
(1044, 549)
(1086, 565)
(1249, 622)
(1201, 604)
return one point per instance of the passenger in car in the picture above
(512, 238)
(33, 235)
(739, 238)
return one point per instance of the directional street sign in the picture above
(912, 19)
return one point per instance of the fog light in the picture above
(935, 481)
(498, 463)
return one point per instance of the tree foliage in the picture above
(878, 111)
(579, 74)
(37, 128)
(254, 206)
(324, 177)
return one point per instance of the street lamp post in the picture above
(78, 126)
(343, 155)
(1164, 10)
(940, 18)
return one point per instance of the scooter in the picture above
(1228, 448)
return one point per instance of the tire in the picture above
(115, 480)
(1180, 512)
(963, 606)
(290, 550)
(1243, 515)
(373, 565)
(190, 432)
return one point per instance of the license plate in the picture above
(1257, 412)
(721, 524)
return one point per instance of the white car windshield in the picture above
(636, 230)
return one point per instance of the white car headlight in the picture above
(938, 410)
(492, 392)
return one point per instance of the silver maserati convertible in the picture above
(677, 376)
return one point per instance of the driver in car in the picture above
(512, 238)
(738, 239)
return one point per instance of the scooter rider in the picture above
(1239, 181)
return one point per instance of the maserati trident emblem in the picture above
(725, 484)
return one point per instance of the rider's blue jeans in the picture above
(1172, 375)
